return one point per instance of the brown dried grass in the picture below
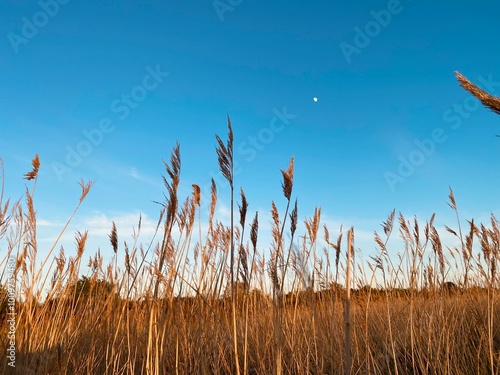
(176, 309)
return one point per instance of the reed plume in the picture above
(166, 249)
(197, 195)
(113, 238)
(489, 101)
(34, 172)
(225, 154)
(287, 184)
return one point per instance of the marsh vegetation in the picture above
(212, 299)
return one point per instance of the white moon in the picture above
(315, 99)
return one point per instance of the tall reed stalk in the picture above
(350, 253)
(226, 164)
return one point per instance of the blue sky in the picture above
(113, 85)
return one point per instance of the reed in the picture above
(488, 100)
(211, 299)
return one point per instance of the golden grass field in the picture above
(219, 302)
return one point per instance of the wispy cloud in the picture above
(133, 173)
(99, 224)
(48, 223)
(137, 175)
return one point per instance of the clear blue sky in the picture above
(137, 76)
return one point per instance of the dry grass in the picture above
(489, 101)
(220, 303)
